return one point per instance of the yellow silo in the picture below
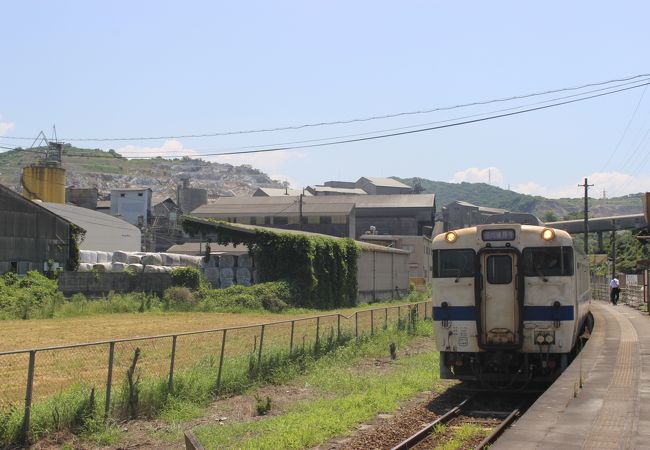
(44, 183)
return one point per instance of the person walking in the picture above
(614, 290)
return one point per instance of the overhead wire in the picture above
(345, 121)
(408, 132)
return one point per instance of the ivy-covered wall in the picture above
(322, 269)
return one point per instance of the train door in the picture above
(499, 299)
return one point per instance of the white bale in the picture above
(245, 260)
(152, 259)
(90, 256)
(226, 273)
(244, 282)
(118, 267)
(102, 257)
(243, 274)
(171, 259)
(226, 261)
(167, 269)
(211, 262)
(120, 257)
(190, 261)
(212, 275)
(152, 269)
(224, 283)
(84, 267)
(134, 259)
(135, 267)
(102, 267)
(256, 276)
(85, 256)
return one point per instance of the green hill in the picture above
(483, 194)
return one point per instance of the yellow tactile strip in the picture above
(612, 427)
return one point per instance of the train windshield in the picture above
(547, 261)
(453, 263)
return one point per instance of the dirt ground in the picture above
(150, 434)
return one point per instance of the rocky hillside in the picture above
(108, 170)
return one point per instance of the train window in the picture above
(453, 263)
(499, 269)
(547, 261)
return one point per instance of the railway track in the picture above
(476, 422)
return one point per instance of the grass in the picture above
(61, 404)
(348, 398)
(461, 436)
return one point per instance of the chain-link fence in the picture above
(632, 294)
(129, 377)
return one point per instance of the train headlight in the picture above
(549, 338)
(539, 338)
(451, 237)
(548, 234)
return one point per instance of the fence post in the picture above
(425, 310)
(417, 311)
(372, 322)
(293, 328)
(399, 313)
(259, 356)
(338, 327)
(28, 396)
(223, 347)
(318, 332)
(385, 318)
(356, 324)
(109, 379)
(170, 384)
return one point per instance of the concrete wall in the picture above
(99, 284)
(382, 276)
(130, 205)
(188, 199)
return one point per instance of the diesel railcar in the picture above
(509, 303)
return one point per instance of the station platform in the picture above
(612, 408)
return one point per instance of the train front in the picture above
(508, 303)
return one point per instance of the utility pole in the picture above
(614, 249)
(300, 212)
(586, 228)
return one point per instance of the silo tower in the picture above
(45, 180)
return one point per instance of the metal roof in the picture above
(342, 191)
(326, 204)
(278, 192)
(386, 182)
(103, 232)
(198, 248)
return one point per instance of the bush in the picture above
(275, 297)
(31, 296)
(189, 277)
(179, 298)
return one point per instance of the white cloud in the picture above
(475, 175)
(170, 149)
(614, 183)
(5, 126)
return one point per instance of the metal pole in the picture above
(318, 332)
(614, 252)
(223, 347)
(338, 327)
(372, 322)
(385, 318)
(109, 379)
(356, 324)
(586, 214)
(170, 383)
(28, 396)
(259, 356)
(293, 327)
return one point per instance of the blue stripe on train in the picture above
(548, 313)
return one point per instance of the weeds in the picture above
(262, 405)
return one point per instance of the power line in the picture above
(627, 127)
(402, 133)
(347, 121)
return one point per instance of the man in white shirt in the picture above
(614, 290)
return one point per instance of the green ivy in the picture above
(77, 235)
(323, 269)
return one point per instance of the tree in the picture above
(549, 216)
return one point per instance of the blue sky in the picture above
(116, 69)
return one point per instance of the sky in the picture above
(154, 68)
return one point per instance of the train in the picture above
(510, 303)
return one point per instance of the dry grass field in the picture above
(59, 369)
